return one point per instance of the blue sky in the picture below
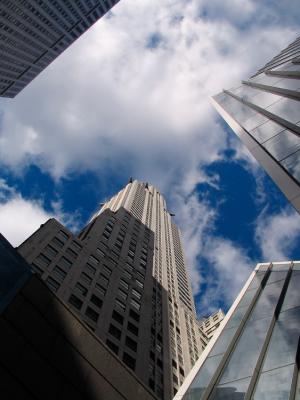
(131, 98)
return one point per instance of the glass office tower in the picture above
(34, 33)
(255, 353)
(264, 111)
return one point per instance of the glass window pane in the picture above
(292, 84)
(276, 276)
(231, 391)
(223, 341)
(236, 317)
(267, 301)
(284, 340)
(264, 99)
(247, 298)
(286, 108)
(292, 165)
(202, 379)
(256, 281)
(292, 297)
(247, 351)
(283, 144)
(266, 131)
(275, 384)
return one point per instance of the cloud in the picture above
(20, 217)
(277, 234)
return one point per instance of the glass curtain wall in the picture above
(255, 355)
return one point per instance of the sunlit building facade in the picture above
(34, 33)
(255, 354)
(125, 275)
(211, 323)
(264, 111)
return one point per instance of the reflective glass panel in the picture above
(267, 301)
(223, 341)
(286, 108)
(202, 378)
(231, 391)
(266, 131)
(264, 99)
(265, 79)
(247, 351)
(284, 340)
(283, 144)
(292, 297)
(256, 281)
(292, 164)
(247, 298)
(297, 394)
(236, 317)
(291, 84)
(277, 275)
(238, 110)
(274, 384)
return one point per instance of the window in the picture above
(112, 346)
(117, 317)
(100, 252)
(80, 289)
(93, 260)
(43, 261)
(37, 269)
(50, 251)
(124, 284)
(92, 314)
(87, 279)
(63, 236)
(53, 285)
(131, 344)
(103, 280)
(100, 289)
(133, 329)
(64, 262)
(75, 301)
(127, 274)
(128, 360)
(114, 331)
(120, 304)
(139, 283)
(71, 253)
(106, 270)
(96, 300)
(134, 315)
(90, 269)
(122, 294)
(58, 273)
(136, 294)
(76, 246)
(135, 304)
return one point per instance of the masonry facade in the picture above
(126, 277)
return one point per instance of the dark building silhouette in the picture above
(33, 33)
(46, 351)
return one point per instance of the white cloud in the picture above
(20, 217)
(277, 235)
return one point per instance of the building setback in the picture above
(211, 323)
(255, 354)
(264, 111)
(125, 275)
(33, 33)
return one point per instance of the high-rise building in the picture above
(264, 111)
(255, 353)
(211, 323)
(33, 33)
(125, 275)
(47, 352)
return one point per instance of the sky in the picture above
(131, 98)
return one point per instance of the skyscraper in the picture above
(255, 353)
(264, 111)
(125, 275)
(34, 33)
